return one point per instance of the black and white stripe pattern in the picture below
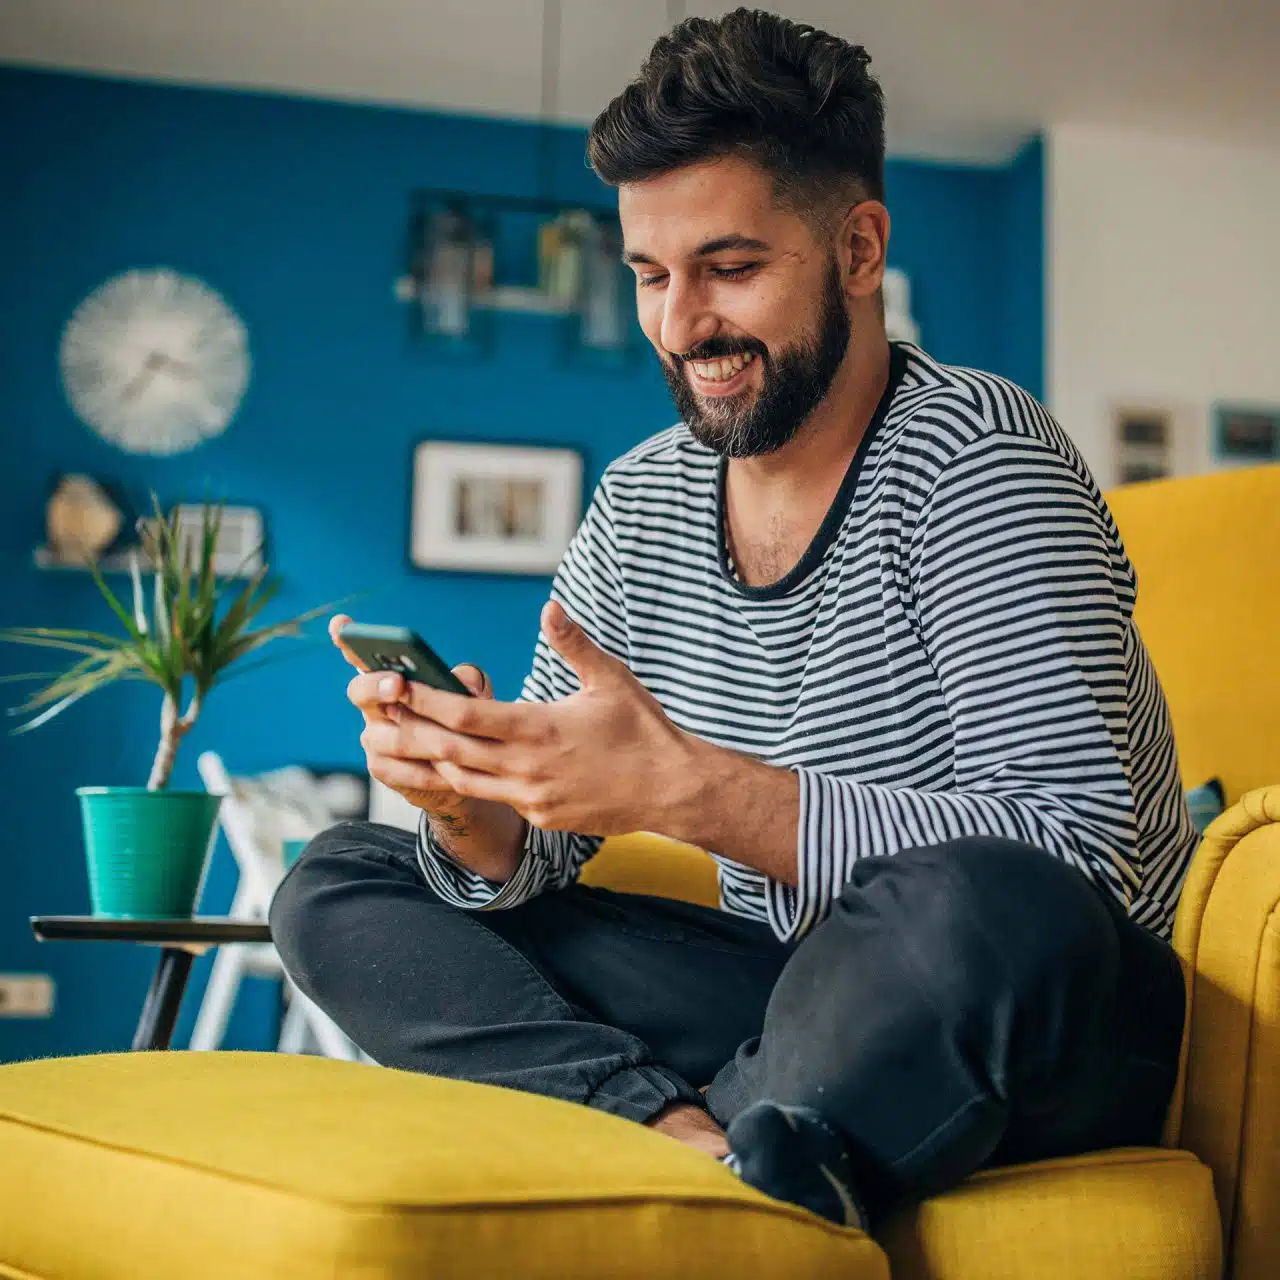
(955, 654)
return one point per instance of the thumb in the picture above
(474, 679)
(590, 663)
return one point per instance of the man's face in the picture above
(744, 306)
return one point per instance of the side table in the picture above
(180, 940)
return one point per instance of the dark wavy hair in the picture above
(799, 102)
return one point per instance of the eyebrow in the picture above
(708, 247)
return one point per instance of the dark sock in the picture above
(793, 1154)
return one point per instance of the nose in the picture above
(686, 319)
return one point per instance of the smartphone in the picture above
(402, 650)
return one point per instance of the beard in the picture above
(794, 383)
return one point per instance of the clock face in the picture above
(155, 361)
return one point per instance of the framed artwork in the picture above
(493, 508)
(1246, 433)
(241, 535)
(1143, 442)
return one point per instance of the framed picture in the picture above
(238, 551)
(1143, 444)
(1246, 433)
(493, 508)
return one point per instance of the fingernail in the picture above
(387, 687)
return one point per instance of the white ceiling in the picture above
(965, 79)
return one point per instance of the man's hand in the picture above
(599, 762)
(604, 761)
(488, 838)
(378, 696)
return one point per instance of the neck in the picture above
(818, 454)
(775, 505)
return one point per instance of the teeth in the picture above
(724, 369)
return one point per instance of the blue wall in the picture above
(295, 211)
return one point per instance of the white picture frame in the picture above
(493, 508)
(241, 533)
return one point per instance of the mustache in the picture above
(720, 349)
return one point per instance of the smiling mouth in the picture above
(722, 376)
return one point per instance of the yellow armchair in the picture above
(1162, 1213)
(151, 1166)
(1207, 553)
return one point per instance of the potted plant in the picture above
(147, 848)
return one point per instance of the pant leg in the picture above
(618, 1001)
(962, 1003)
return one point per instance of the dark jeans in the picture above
(966, 1004)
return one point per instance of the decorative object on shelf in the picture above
(155, 362)
(1246, 433)
(493, 508)
(898, 322)
(147, 848)
(603, 322)
(561, 243)
(450, 254)
(1143, 444)
(81, 520)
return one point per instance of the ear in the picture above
(861, 248)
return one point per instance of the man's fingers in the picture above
(415, 739)
(479, 717)
(406, 775)
(474, 679)
(371, 691)
(336, 623)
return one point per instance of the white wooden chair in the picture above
(257, 815)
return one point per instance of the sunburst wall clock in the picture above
(154, 361)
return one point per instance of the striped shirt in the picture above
(954, 655)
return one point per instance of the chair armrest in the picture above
(1228, 936)
(646, 863)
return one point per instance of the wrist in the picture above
(700, 790)
(734, 805)
(482, 836)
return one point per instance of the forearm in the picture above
(738, 807)
(481, 835)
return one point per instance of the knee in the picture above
(984, 916)
(317, 888)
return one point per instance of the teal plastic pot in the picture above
(147, 851)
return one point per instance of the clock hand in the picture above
(183, 368)
(142, 379)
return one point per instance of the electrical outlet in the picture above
(26, 995)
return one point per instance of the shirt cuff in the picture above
(461, 887)
(822, 858)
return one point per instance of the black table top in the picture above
(176, 931)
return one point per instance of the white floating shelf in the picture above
(511, 297)
(117, 562)
(524, 299)
(48, 558)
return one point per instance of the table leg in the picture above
(160, 1010)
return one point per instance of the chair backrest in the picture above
(1207, 554)
(257, 814)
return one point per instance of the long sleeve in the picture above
(1022, 600)
(587, 585)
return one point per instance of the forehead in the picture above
(671, 215)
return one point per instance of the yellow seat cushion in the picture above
(1134, 1214)
(244, 1165)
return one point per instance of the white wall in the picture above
(1163, 289)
